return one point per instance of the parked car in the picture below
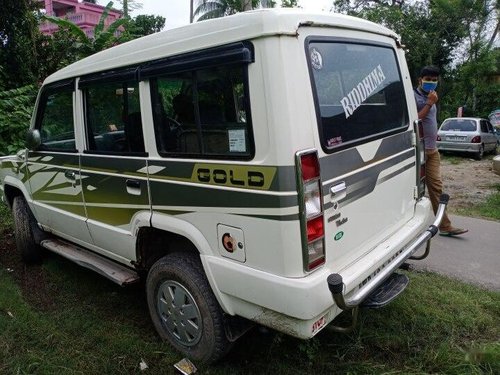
(496, 165)
(496, 131)
(494, 118)
(467, 134)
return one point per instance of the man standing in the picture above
(426, 98)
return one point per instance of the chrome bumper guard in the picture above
(336, 284)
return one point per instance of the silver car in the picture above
(467, 134)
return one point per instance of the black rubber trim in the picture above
(335, 283)
(129, 74)
(116, 153)
(433, 229)
(67, 84)
(241, 52)
(444, 199)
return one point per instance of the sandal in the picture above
(453, 232)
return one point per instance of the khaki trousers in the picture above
(435, 184)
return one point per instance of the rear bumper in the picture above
(301, 307)
(335, 280)
(459, 147)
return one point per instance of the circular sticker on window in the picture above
(316, 59)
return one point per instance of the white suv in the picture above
(264, 167)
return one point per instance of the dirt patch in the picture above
(32, 279)
(467, 181)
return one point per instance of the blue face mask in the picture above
(429, 86)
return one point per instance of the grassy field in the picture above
(58, 318)
(489, 209)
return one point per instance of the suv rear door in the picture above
(368, 167)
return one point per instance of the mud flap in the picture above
(385, 293)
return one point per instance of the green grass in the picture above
(452, 159)
(81, 323)
(5, 218)
(58, 318)
(489, 209)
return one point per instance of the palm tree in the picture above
(207, 9)
(102, 38)
(129, 5)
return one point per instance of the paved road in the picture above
(473, 257)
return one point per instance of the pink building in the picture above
(85, 15)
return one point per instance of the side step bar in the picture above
(113, 271)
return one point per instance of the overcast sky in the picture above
(176, 12)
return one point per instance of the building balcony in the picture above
(82, 20)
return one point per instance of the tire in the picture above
(180, 277)
(479, 155)
(24, 231)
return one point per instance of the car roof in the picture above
(211, 33)
(465, 118)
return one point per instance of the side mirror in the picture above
(33, 139)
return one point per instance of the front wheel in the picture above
(24, 228)
(184, 309)
(479, 155)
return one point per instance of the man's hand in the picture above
(432, 98)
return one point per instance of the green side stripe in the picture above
(111, 215)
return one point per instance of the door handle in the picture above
(134, 184)
(133, 187)
(339, 191)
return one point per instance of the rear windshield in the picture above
(358, 91)
(459, 125)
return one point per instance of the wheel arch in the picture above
(168, 234)
(12, 190)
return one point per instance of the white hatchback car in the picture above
(467, 134)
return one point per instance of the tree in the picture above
(146, 24)
(18, 35)
(207, 9)
(56, 51)
(289, 4)
(102, 39)
(16, 107)
(456, 35)
(129, 5)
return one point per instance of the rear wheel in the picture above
(184, 309)
(24, 228)
(479, 155)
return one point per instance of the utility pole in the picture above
(191, 10)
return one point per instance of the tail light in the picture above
(420, 154)
(311, 209)
(476, 139)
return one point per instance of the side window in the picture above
(490, 127)
(55, 121)
(484, 127)
(203, 113)
(113, 117)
